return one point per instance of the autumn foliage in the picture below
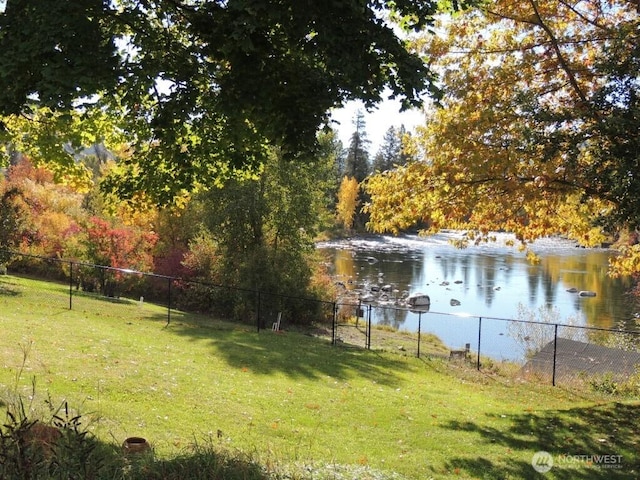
(537, 130)
(48, 219)
(119, 246)
(347, 201)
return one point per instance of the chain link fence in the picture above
(545, 352)
(540, 351)
(78, 284)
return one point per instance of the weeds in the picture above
(604, 384)
(76, 453)
(608, 384)
(31, 448)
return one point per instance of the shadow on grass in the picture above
(8, 287)
(579, 441)
(291, 353)
(205, 463)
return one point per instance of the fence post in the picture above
(479, 338)
(334, 324)
(555, 351)
(368, 329)
(70, 285)
(419, 325)
(258, 312)
(169, 303)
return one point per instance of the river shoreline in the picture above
(489, 280)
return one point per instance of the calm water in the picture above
(488, 281)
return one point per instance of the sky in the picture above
(377, 122)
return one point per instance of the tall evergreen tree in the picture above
(389, 151)
(392, 152)
(357, 159)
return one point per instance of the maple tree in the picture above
(199, 89)
(119, 246)
(538, 130)
(59, 139)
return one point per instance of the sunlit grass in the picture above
(290, 399)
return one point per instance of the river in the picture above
(489, 281)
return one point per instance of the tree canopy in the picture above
(538, 134)
(200, 88)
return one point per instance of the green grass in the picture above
(290, 399)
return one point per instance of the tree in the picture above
(118, 246)
(330, 153)
(347, 201)
(263, 228)
(391, 151)
(13, 215)
(58, 140)
(357, 158)
(405, 156)
(49, 212)
(538, 130)
(201, 88)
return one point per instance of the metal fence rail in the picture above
(547, 352)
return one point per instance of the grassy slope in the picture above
(294, 398)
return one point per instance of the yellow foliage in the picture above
(347, 201)
(626, 263)
(480, 167)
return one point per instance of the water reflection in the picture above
(488, 280)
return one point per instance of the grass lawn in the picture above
(293, 399)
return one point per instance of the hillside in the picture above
(291, 401)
